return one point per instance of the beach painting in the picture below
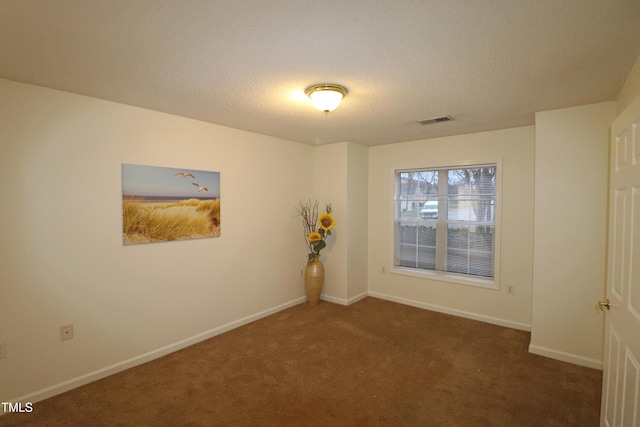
(161, 204)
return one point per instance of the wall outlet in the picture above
(66, 332)
(3, 350)
(301, 272)
(509, 290)
(383, 269)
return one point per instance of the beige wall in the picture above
(631, 88)
(331, 179)
(61, 254)
(341, 176)
(514, 148)
(357, 214)
(570, 232)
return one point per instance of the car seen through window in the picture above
(429, 210)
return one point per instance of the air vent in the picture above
(435, 120)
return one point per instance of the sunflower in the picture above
(314, 237)
(326, 221)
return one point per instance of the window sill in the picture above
(447, 277)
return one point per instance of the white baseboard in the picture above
(342, 301)
(454, 312)
(540, 351)
(155, 354)
(334, 300)
(566, 357)
(144, 358)
(357, 298)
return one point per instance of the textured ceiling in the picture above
(490, 64)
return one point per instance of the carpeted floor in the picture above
(374, 363)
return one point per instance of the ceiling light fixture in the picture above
(326, 97)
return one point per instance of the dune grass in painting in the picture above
(147, 221)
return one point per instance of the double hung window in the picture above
(445, 220)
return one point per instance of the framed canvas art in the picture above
(161, 204)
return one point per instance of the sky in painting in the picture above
(154, 181)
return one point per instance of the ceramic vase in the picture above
(314, 279)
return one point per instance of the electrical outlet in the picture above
(301, 272)
(3, 350)
(66, 332)
(383, 269)
(509, 290)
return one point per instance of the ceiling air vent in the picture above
(435, 120)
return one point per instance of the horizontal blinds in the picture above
(464, 210)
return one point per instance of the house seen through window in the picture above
(445, 220)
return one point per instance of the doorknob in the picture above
(603, 304)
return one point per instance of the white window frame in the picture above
(441, 276)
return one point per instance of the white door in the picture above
(621, 381)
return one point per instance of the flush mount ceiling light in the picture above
(326, 97)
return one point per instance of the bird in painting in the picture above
(200, 187)
(184, 175)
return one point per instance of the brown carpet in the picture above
(374, 363)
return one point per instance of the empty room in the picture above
(338, 213)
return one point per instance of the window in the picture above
(445, 220)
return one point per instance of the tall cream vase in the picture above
(314, 279)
